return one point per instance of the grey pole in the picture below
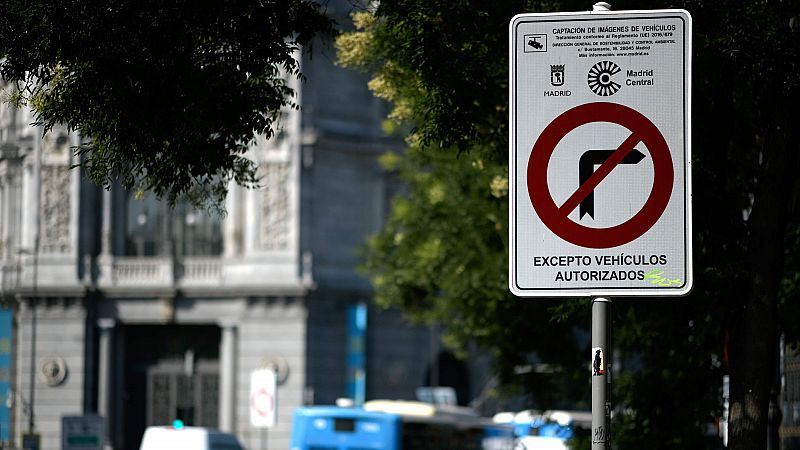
(601, 353)
(601, 378)
(601, 365)
(37, 237)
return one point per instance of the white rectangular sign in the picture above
(599, 163)
(263, 398)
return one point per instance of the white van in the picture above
(188, 438)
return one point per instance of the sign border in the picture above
(655, 14)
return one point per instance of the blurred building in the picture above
(143, 314)
(789, 399)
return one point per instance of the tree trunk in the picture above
(752, 365)
(752, 362)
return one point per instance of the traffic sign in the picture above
(263, 398)
(599, 164)
(82, 432)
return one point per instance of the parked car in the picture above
(188, 438)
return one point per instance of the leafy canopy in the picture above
(167, 95)
(442, 256)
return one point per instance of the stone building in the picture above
(142, 314)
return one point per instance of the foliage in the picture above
(168, 95)
(442, 255)
(426, 55)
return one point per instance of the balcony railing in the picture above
(202, 271)
(209, 275)
(148, 276)
(128, 271)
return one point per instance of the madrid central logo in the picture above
(600, 78)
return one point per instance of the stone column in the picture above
(105, 233)
(232, 224)
(104, 373)
(104, 260)
(5, 214)
(227, 377)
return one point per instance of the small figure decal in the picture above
(598, 362)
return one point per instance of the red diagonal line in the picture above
(600, 174)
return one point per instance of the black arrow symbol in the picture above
(586, 165)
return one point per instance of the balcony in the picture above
(202, 276)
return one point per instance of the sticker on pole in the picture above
(598, 362)
(600, 154)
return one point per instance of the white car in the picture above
(188, 438)
(540, 443)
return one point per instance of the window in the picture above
(152, 228)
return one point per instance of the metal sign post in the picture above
(601, 376)
(600, 164)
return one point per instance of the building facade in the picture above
(142, 314)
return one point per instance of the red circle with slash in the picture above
(556, 217)
(262, 402)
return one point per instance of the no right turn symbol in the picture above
(642, 130)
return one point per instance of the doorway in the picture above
(170, 372)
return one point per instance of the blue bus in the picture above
(394, 425)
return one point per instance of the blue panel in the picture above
(5, 370)
(356, 359)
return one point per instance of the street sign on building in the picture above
(263, 398)
(82, 432)
(600, 154)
